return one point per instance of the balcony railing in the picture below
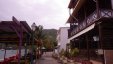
(92, 18)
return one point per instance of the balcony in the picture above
(91, 19)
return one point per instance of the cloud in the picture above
(49, 13)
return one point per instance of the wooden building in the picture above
(91, 29)
(16, 33)
(8, 34)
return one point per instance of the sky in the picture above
(51, 14)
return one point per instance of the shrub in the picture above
(66, 54)
(74, 52)
(62, 52)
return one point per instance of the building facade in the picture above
(91, 29)
(62, 38)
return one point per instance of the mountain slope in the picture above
(51, 33)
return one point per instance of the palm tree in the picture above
(39, 38)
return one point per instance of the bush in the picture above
(62, 52)
(66, 54)
(74, 52)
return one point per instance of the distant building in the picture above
(62, 38)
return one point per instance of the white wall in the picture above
(63, 37)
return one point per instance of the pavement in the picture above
(47, 59)
(95, 62)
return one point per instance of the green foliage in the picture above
(62, 52)
(74, 52)
(50, 38)
(38, 32)
(47, 37)
(47, 43)
(55, 43)
(66, 54)
(51, 33)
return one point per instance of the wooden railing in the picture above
(92, 18)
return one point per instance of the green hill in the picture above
(50, 32)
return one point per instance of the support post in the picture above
(20, 45)
(5, 51)
(100, 38)
(88, 54)
(26, 50)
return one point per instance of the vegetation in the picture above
(50, 32)
(50, 38)
(45, 37)
(47, 43)
(38, 31)
(74, 52)
(62, 53)
(38, 36)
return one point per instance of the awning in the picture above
(82, 32)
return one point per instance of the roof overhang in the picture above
(21, 24)
(76, 9)
(82, 32)
(72, 3)
(10, 31)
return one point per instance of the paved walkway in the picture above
(96, 62)
(47, 59)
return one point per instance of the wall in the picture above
(63, 38)
(108, 56)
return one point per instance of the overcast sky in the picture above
(49, 13)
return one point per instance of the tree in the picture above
(38, 38)
(38, 34)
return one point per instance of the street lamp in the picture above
(33, 26)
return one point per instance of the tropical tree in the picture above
(48, 43)
(39, 38)
(43, 40)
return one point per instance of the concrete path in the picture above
(47, 59)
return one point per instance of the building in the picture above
(62, 38)
(17, 34)
(91, 29)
